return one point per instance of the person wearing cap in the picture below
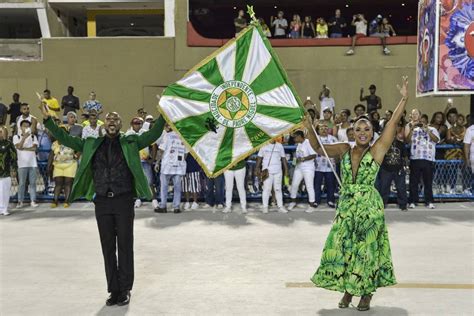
(136, 127)
(147, 122)
(374, 102)
(327, 102)
(375, 30)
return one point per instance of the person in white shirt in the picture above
(324, 171)
(93, 129)
(469, 152)
(360, 24)
(423, 139)
(327, 102)
(26, 143)
(271, 158)
(304, 170)
(136, 127)
(280, 24)
(26, 116)
(172, 155)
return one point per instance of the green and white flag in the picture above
(232, 103)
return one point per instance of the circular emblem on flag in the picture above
(233, 104)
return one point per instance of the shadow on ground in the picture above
(374, 310)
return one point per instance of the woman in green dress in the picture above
(356, 259)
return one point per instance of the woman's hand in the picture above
(404, 88)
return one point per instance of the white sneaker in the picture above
(431, 206)
(187, 206)
(138, 203)
(34, 204)
(411, 205)
(227, 210)
(386, 51)
(291, 206)
(194, 206)
(6, 213)
(350, 52)
(265, 209)
(155, 203)
(310, 209)
(282, 210)
(244, 210)
(220, 206)
(19, 205)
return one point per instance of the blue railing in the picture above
(452, 178)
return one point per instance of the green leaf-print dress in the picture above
(356, 257)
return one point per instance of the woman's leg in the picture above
(67, 188)
(59, 184)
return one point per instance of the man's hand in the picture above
(361, 90)
(157, 166)
(44, 110)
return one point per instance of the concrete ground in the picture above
(209, 263)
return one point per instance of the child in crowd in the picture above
(321, 28)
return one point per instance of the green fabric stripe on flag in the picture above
(269, 79)
(241, 53)
(224, 156)
(211, 72)
(256, 135)
(292, 115)
(196, 124)
(177, 90)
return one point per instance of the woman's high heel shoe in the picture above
(345, 301)
(364, 304)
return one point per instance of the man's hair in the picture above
(16, 94)
(298, 133)
(359, 106)
(451, 111)
(71, 87)
(347, 111)
(46, 91)
(24, 104)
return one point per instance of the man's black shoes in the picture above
(160, 210)
(123, 298)
(113, 298)
(177, 210)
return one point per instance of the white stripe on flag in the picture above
(281, 96)
(241, 144)
(226, 62)
(177, 108)
(197, 81)
(208, 147)
(258, 58)
(271, 125)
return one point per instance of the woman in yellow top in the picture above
(321, 28)
(52, 103)
(62, 164)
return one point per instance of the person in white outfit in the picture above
(304, 170)
(270, 160)
(8, 166)
(237, 173)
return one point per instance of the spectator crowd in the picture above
(333, 27)
(288, 166)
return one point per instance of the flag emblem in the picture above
(232, 103)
